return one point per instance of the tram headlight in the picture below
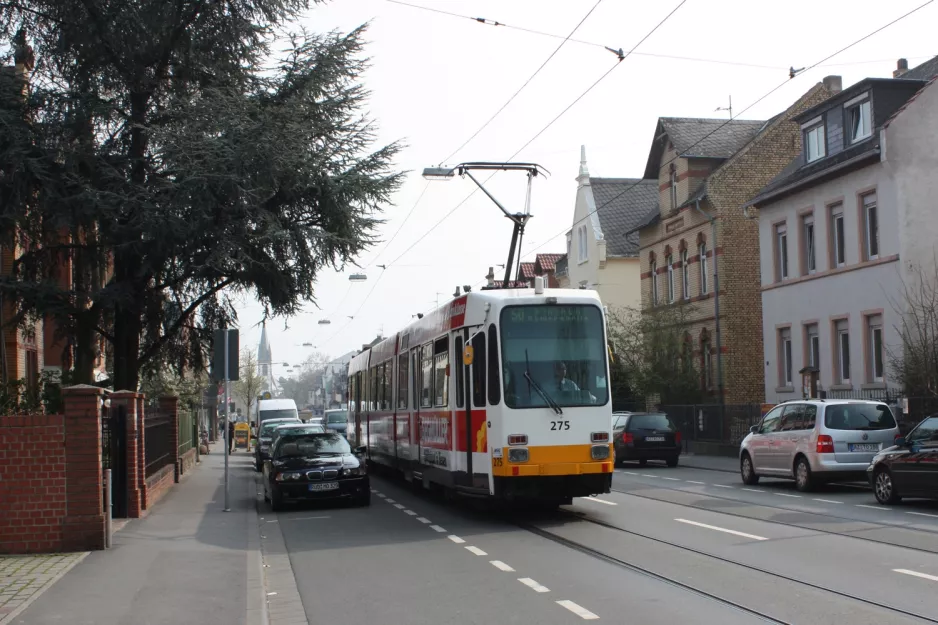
(599, 452)
(518, 454)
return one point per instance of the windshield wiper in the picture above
(537, 387)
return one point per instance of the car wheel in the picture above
(364, 499)
(804, 481)
(276, 501)
(884, 489)
(672, 462)
(747, 471)
(258, 467)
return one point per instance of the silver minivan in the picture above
(817, 440)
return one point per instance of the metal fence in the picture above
(158, 438)
(187, 432)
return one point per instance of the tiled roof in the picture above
(548, 261)
(527, 270)
(925, 71)
(700, 138)
(513, 284)
(622, 204)
(911, 100)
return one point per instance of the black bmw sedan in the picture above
(309, 465)
(910, 467)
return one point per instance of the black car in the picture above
(265, 439)
(308, 465)
(645, 436)
(910, 467)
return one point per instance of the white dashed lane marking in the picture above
(826, 500)
(501, 566)
(598, 500)
(934, 516)
(399, 506)
(695, 482)
(390, 500)
(722, 486)
(931, 578)
(673, 479)
(533, 585)
(880, 508)
(410, 513)
(580, 611)
(787, 495)
(382, 495)
(423, 520)
(476, 551)
(437, 528)
(721, 529)
(649, 475)
(456, 539)
(373, 490)
(753, 490)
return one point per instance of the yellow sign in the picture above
(242, 435)
(467, 356)
(267, 395)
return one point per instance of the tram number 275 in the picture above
(559, 425)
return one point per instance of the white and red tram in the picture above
(525, 409)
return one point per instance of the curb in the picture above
(21, 607)
(256, 589)
(280, 595)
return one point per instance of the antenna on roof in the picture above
(726, 108)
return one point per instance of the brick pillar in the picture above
(135, 497)
(83, 527)
(169, 405)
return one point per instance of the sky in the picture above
(435, 79)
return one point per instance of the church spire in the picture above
(584, 178)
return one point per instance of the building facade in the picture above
(833, 227)
(601, 254)
(698, 250)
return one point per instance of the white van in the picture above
(276, 409)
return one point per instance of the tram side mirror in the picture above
(467, 355)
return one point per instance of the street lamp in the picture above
(518, 219)
(357, 277)
(324, 322)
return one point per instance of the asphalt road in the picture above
(668, 545)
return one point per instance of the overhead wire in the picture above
(718, 128)
(526, 83)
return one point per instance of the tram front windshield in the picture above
(553, 356)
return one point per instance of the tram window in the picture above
(440, 379)
(478, 370)
(460, 370)
(426, 376)
(494, 386)
(387, 371)
(402, 385)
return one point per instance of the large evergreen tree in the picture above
(174, 160)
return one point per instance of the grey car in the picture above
(336, 421)
(817, 440)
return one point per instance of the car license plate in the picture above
(324, 486)
(654, 439)
(864, 447)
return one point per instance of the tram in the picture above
(499, 394)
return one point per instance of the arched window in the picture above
(669, 260)
(654, 283)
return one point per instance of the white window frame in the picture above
(704, 285)
(810, 243)
(785, 356)
(869, 225)
(839, 237)
(817, 149)
(781, 249)
(862, 106)
(669, 259)
(654, 283)
(685, 275)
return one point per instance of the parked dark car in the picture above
(645, 436)
(315, 466)
(910, 467)
(265, 439)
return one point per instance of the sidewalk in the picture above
(188, 561)
(710, 463)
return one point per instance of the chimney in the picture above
(901, 68)
(834, 84)
(490, 277)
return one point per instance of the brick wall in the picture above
(737, 181)
(32, 483)
(51, 485)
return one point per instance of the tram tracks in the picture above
(691, 587)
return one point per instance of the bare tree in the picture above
(914, 361)
(652, 353)
(250, 382)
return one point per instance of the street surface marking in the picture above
(382, 495)
(390, 500)
(649, 475)
(933, 578)
(826, 500)
(399, 506)
(934, 516)
(456, 539)
(437, 528)
(305, 518)
(273, 521)
(501, 566)
(721, 529)
(410, 513)
(753, 490)
(533, 585)
(695, 482)
(373, 490)
(673, 479)
(627, 473)
(582, 612)
(476, 551)
(423, 520)
(880, 508)
(723, 486)
(597, 500)
(787, 495)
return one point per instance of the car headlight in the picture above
(288, 476)
(355, 471)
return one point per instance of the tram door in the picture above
(357, 409)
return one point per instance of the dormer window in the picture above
(859, 118)
(814, 145)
